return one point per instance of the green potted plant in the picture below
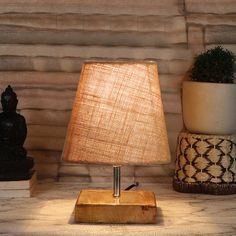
(209, 98)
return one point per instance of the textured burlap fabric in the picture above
(117, 116)
(206, 158)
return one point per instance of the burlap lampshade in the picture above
(117, 117)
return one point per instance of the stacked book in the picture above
(19, 188)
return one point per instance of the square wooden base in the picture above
(99, 206)
(19, 188)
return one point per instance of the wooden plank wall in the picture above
(44, 43)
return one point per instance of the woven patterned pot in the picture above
(205, 164)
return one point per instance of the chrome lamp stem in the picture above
(116, 181)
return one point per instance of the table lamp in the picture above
(117, 119)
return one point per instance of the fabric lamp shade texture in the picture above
(117, 117)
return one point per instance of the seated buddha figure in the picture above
(14, 163)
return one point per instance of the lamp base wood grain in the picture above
(99, 206)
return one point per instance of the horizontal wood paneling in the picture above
(211, 19)
(211, 6)
(74, 64)
(115, 7)
(92, 29)
(105, 38)
(94, 52)
(42, 143)
(46, 131)
(220, 35)
(61, 81)
(67, 22)
(42, 156)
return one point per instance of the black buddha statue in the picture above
(14, 163)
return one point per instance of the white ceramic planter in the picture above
(209, 108)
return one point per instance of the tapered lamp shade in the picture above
(117, 117)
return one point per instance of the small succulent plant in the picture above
(215, 66)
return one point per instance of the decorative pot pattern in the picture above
(205, 164)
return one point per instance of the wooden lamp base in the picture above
(99, 206)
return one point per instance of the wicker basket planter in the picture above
(205, 164)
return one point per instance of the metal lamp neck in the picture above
(116, 181)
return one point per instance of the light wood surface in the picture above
(99, 206)
(51, 213)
